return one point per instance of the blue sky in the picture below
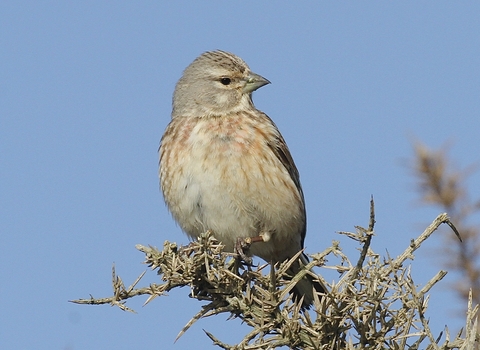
(85, 94)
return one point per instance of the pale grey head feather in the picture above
(203, 90)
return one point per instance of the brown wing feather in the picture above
(280, 149)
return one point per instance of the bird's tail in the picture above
(306, 286)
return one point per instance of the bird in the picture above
(224, 167)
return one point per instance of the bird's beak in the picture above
(253, 82)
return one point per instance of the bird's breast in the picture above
(219, 174)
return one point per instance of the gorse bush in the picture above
(375, 303)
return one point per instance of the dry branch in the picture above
(374, 305)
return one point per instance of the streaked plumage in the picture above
(225, 167)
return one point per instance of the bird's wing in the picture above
(280, 149)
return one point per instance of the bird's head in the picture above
(215, 83)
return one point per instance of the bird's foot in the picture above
(243, 244)
(241, 247)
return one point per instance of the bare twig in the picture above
(374, 305)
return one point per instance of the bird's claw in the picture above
(242, 245)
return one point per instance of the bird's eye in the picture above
(225, 81)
